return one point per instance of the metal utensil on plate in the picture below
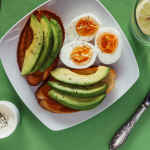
(123, 133)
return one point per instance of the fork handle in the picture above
(123, 133)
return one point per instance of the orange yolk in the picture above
(86, 26)
(81, 55)
(107, 42)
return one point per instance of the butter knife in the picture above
(123, 133)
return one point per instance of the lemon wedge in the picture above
(143, 16)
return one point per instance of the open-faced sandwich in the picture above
(39, 44)
(71, 91)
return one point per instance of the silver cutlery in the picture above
(123, 133)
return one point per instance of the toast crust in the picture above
(25, 41)
(49, 104)
(109, 79)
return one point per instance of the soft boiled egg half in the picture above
(108, 43)
(78, 54)
(83, 28)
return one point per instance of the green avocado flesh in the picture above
(47, 44)
(67, 76)
(79, 91)
(76, 102)
(33, 51)
(58, 41)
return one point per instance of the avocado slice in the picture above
(67, 76)
(79, 91)
(47, 44)
(33, 51)
(58, 41)
(76, 102)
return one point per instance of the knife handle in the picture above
(122, 134)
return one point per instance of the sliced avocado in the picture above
(58, 41)
(67, 76)
(76, 102)
(47, 44)
(79, 91)
(33, 51)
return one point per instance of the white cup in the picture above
(15, 110)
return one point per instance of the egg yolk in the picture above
(107, 42)
(86, 26)
(81, 55)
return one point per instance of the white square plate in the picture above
(126, 67)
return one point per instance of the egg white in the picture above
(71, 29)
(67, 49)
(106, 58)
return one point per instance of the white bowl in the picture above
(16, 114)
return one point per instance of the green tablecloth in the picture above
(95, 133)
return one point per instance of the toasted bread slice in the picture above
(49, 104)
(25, 41)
